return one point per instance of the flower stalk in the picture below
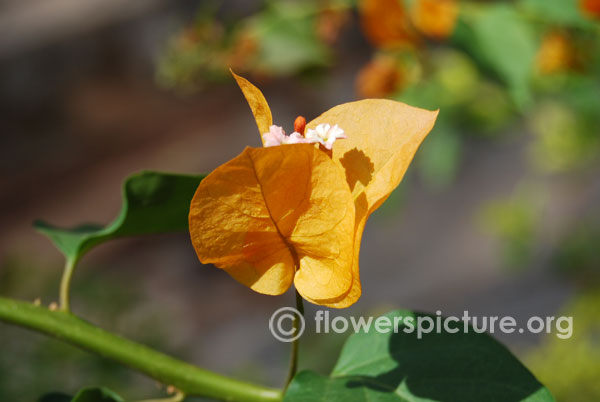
(294, 352)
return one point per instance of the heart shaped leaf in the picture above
(153, 202)
(399, 367)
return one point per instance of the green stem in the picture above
(189, 379)
(294, 354)
(65, 284)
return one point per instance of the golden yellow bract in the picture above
(292, 213)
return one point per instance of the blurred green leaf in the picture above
(84, 395)
(498, 37)
(578, 254)
(440, 155)
(288, 38)
(153, 202)
(460, 367)
(561, 12)
(564, 140)
(513, 222)
(579, 354)
(55, 397)
(96, 395)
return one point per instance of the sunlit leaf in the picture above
(153, 202)
(398, 367)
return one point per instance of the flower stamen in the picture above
(300, 124)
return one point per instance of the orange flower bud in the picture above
(300, 124)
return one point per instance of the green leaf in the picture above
(560, 12)
(153, 202)
(399, 367)
(91, 394)
(288, 39)
(503, 42)
(96, 395)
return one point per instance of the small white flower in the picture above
(276, 136)
(325, 134)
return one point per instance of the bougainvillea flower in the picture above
(380, 78)
(294, 214)
(556, 53)
(385, 23)
(590, 8)
(391, 23)
(434, 18)
(276, 136)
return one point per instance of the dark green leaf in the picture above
(399, 367)
(96, 395)
(91, 394)
(153, 202)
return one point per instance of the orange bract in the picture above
(383, 137)
(258, 104)
(293, 213)
(272, 211)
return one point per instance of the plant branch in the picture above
(189, 379)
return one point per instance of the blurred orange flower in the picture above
(385, 23)
(434, 18)
(379, 78)
(330, 23)
(288, 214)
(556, 53)
(591, 8)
